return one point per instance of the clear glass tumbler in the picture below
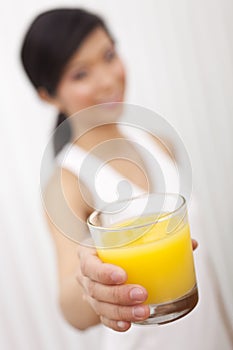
(149, 237)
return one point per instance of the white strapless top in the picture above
(106, 184)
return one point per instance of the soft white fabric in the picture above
(103, 181)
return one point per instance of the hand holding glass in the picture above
(149, 237)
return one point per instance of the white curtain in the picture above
(179, 57)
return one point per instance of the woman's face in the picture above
(94, 75)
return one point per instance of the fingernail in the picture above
(137, 294)
(139, 312)
(122, 324)
(118, 277)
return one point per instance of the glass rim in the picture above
(136, 226)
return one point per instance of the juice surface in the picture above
(159, 260)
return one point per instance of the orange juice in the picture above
(161, 260)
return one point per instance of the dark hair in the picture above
(51, 40)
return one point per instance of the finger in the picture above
(93, 268)
(194, 244)
(126, 294)
(119, 326)
(120, 313)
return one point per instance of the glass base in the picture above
(172, 310)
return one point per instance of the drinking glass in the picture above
(149, 237)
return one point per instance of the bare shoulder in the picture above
(66, 191)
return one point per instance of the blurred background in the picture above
(179, 57)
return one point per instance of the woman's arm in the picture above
(75, 308)
(90, 290)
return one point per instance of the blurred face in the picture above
(94, 75)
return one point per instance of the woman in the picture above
(71, 59)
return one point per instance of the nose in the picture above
(105, 79)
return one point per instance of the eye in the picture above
(109, 55)
(80, 75)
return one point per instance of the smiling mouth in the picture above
(110, 105)
(112, 100)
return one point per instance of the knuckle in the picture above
(96, 306)
(83, 266)
(78, 278)
(107, 322)
(120, 295)
(93, 303)
(102, 275)
(116, 294)
(123, 313)
(103, 320)
(91, 288)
